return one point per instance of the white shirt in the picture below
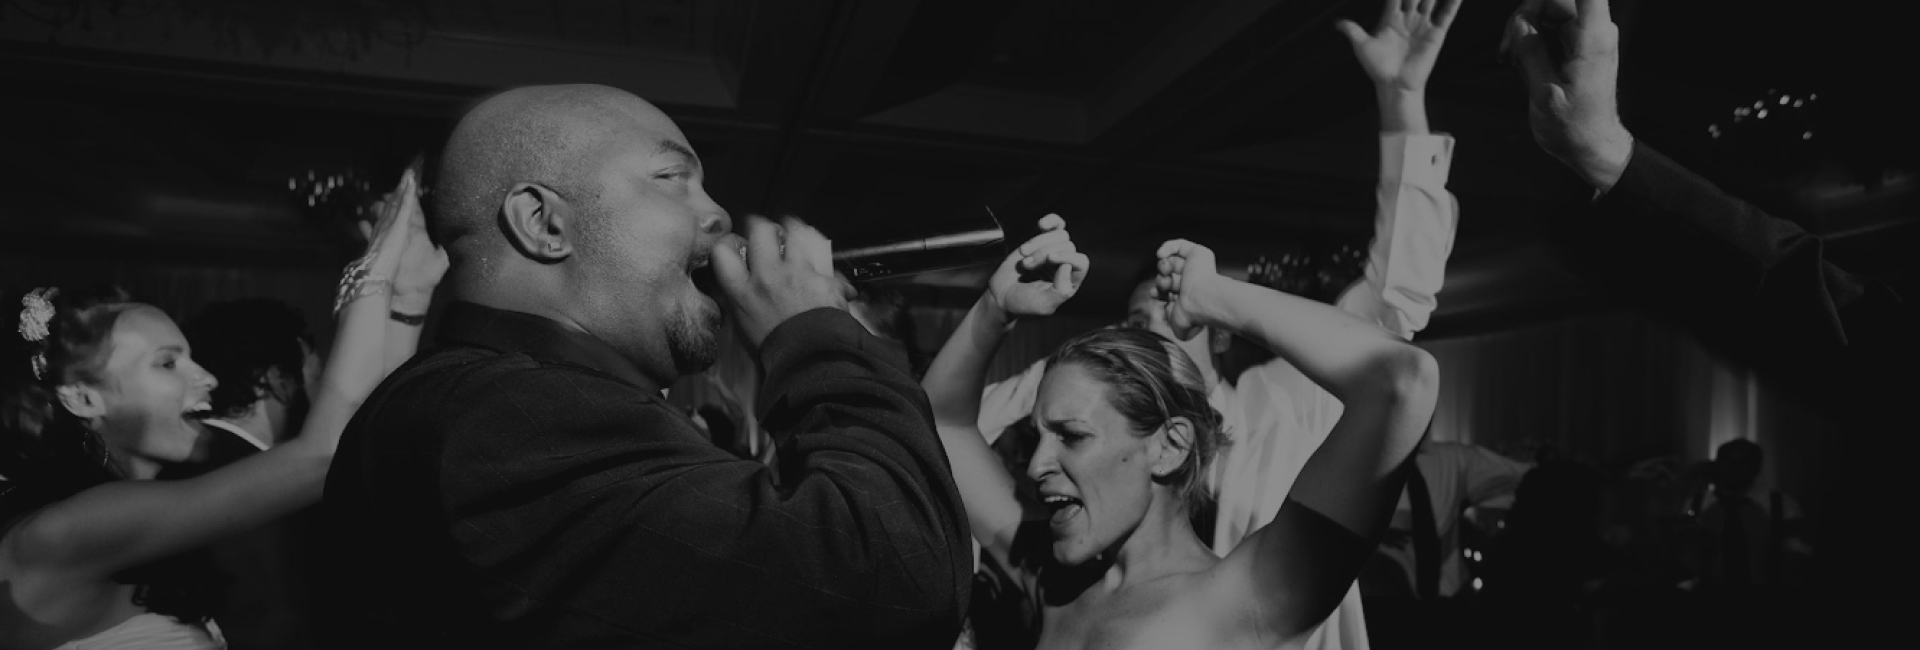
(1274, 415)
(1457, 475)
(235, 429)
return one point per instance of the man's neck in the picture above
(547, 305)
(510, 295)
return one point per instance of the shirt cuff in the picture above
(1416, 159)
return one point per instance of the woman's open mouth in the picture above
(1064, 507)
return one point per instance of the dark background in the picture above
(162, 134)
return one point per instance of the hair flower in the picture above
(38, 312)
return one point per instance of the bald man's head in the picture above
(584, 204)
(535, 134)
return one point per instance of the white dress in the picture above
(150, 631)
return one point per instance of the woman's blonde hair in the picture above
(1150, 381)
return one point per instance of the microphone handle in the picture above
(975, 238)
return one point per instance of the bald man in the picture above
(526, 486)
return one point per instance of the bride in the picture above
(99, 392)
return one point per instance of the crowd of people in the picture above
(524, 482)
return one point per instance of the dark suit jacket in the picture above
(1762, 290)
(265, 574)
(524, 486)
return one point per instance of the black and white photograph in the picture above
(958, 324)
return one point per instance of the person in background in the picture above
(1756, 287)
(97, 394)
(885, 312)
(1549, 561)
(261, 353)
(1407, 603)
(1748, 535)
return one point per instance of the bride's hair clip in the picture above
(35, 314)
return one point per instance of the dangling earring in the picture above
(95, 449)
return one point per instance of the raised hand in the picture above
(1400, 52)
(389, 234)
(1572, 106)
(421, 262)
(1187, 275)
(1052, 247)
(776, 272)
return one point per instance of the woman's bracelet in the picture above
(358, 282)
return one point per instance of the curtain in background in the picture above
(1612, 389)
(1608, 389)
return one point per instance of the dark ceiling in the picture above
(169, 129)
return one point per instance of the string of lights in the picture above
(1778, 112)
(1316, 270)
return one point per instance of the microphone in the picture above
(922, 253)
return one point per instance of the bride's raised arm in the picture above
(126, 523)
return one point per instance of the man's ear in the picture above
(538, 221)
(277, 385)
(1177, 444)
(84, 401)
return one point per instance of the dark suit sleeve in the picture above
(594, 504)
(1665, 232)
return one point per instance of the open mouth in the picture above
(197, 410)
(1064, 507)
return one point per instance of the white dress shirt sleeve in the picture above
(1009, 400)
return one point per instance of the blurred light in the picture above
(290, 184)
(1466, 552)
(1476, 584)
(1476, 556)
(1500, 524)
(1798, 102)
(1812, 97)
(1806, 136)
(1783, 100)
(1763, 114)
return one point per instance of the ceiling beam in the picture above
(443, 58)
(1242, 60)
